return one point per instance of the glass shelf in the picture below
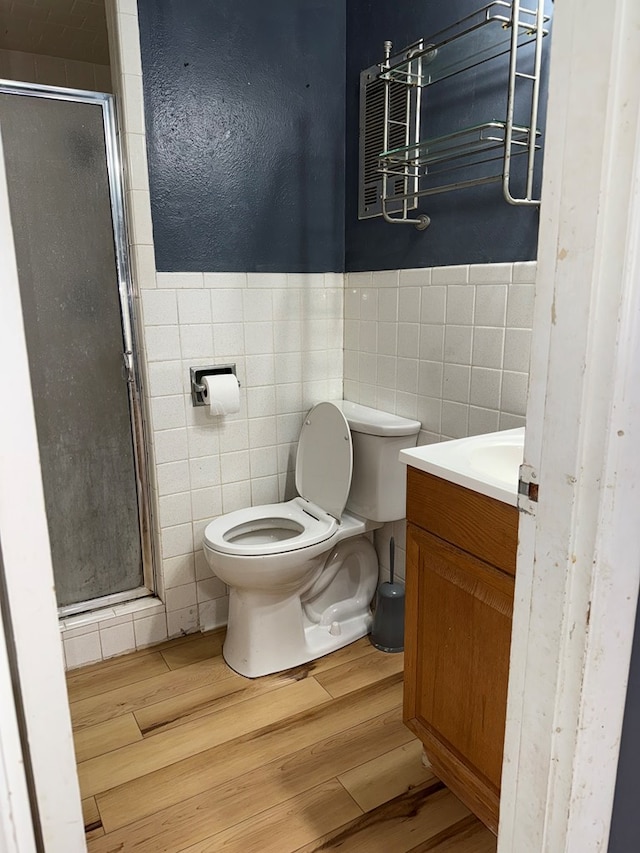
(477, 38)
(469, 148)
(462, 143)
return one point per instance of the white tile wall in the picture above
(205, 465)
(90, 637)
(469, 352)
(54, 71)
(462, 370)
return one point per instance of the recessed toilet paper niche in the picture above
(197, 374)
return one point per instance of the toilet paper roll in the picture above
(221, 393)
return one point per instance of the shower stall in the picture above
(67, 212)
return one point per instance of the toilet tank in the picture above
(378, 484)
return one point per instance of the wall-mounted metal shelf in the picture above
(459, 151)
(477, 38)
(474, 155)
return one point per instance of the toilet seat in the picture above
(324, 463)
(270, 529)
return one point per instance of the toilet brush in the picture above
(387, 633)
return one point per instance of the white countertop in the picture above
(488, 464)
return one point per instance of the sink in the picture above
(500, 459)
(488, 464)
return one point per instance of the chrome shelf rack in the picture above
(468, 156)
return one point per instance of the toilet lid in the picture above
(324, 461)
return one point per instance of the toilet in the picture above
(302, 573)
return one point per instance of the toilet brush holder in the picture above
(387, 633)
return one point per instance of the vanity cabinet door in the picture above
(458, 636)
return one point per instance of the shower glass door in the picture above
(66, 211)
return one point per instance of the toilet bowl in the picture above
(302, 573)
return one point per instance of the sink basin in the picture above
(499, 460)
(488, 464)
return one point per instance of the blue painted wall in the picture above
(625, 820)
(468, 226)
(250, 107)
(246, 126)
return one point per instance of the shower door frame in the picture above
(131, 362)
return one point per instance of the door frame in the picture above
(38, 779)
(578, 569)
(131, 353)
(17, 824)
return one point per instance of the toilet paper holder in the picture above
(197, 374)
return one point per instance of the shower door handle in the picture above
(127, 365)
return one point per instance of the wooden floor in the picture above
(178, 753)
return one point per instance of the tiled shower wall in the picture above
(54, 71)
(448, 346)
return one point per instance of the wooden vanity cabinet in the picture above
(461, 555)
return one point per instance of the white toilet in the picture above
(302, 574)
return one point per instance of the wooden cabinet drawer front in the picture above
(476, 523)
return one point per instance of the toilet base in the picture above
(270, 631)
(318, 642)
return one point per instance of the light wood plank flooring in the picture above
(178, 754)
